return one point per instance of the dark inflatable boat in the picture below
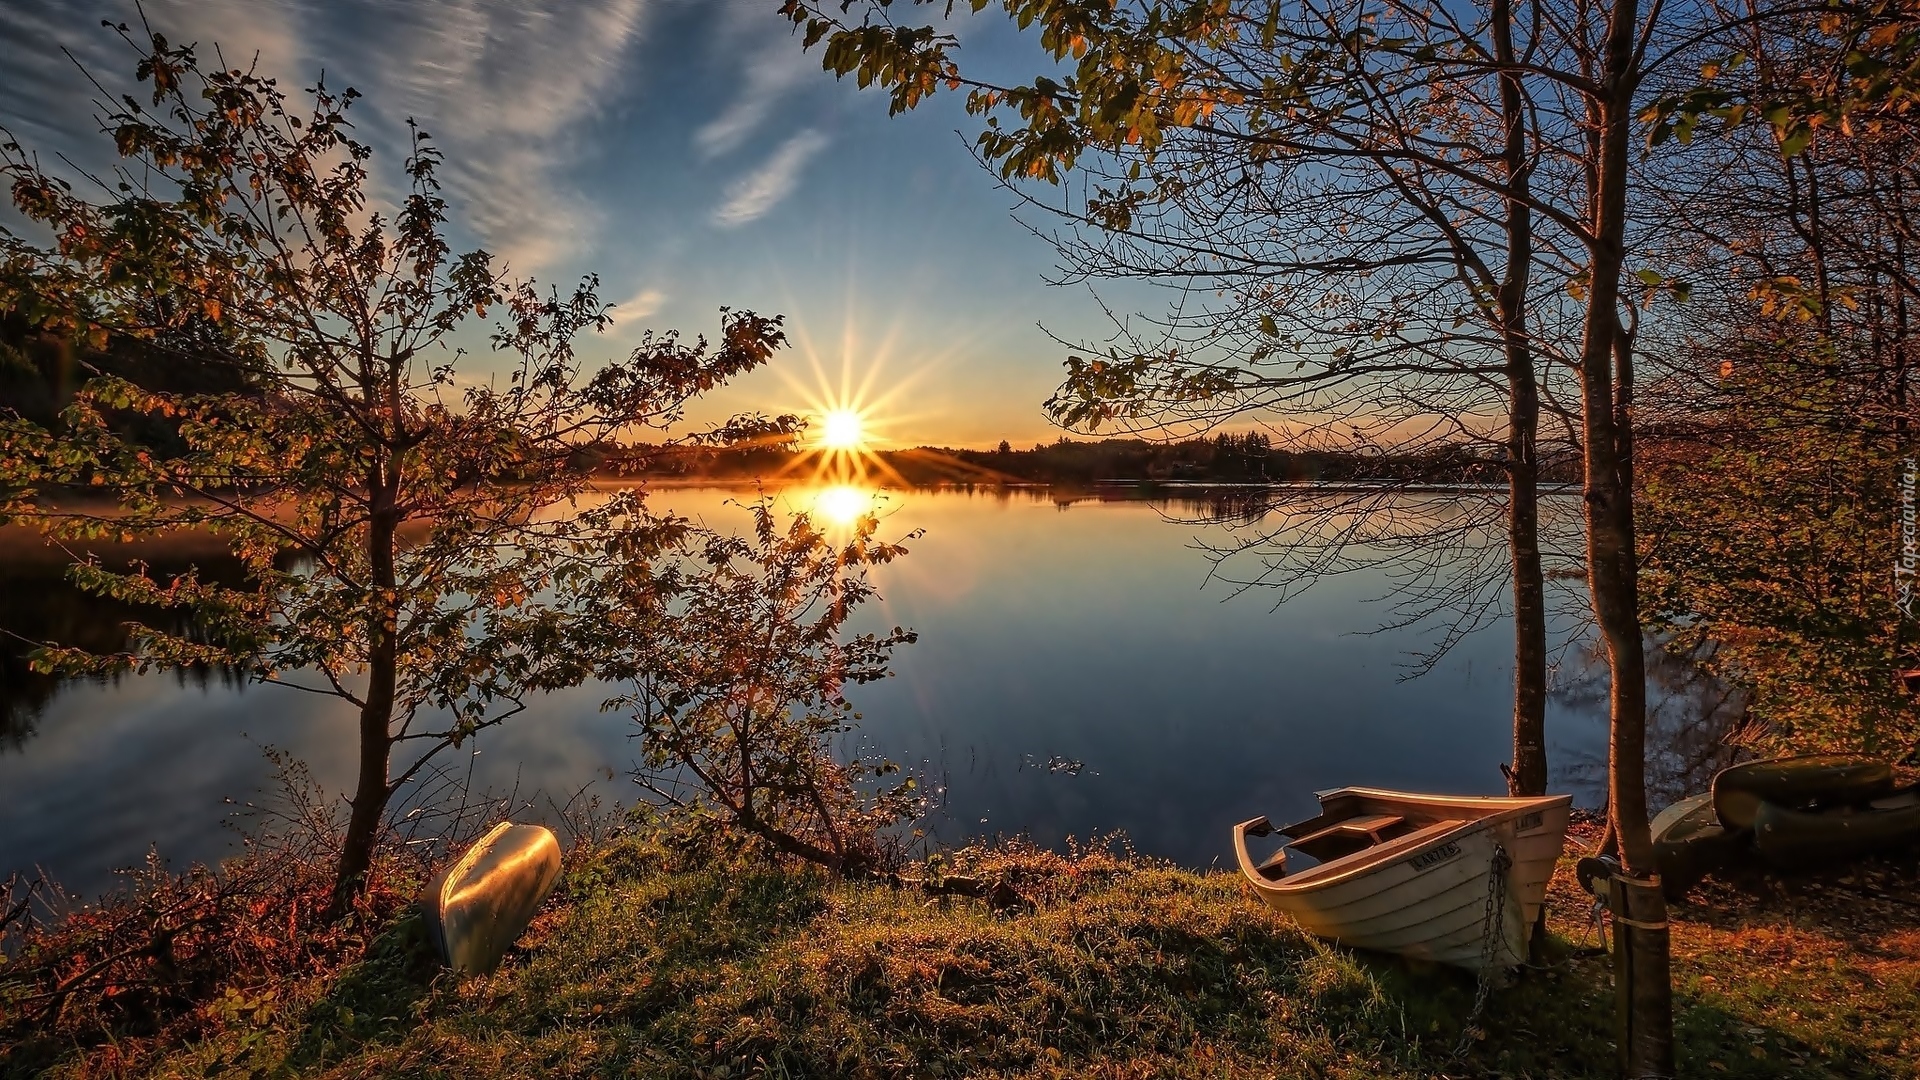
(1792, 839)
(1689, 842)
(1809, 781)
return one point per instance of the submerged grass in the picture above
(646, 964)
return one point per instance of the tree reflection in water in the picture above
(39, 605)
(1696, 724)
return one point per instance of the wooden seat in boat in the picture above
(1377, 853)
(1351, 835)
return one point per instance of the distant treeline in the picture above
(1223, 458)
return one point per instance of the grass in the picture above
(646, 965)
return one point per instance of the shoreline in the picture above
(662, 961)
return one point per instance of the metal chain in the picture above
(1493, 938)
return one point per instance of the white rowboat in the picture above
(1415, 874)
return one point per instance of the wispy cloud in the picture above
(638, 306)
(770, 76)
(54, 45)
(750, 197)
(504, 84)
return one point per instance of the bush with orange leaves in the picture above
(171, 957)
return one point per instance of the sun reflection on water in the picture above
(843, 504)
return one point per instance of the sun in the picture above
(841, 429)
(847, 431)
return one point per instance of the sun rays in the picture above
(864, 385)
(848, 425)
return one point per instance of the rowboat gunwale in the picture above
(1501, 808)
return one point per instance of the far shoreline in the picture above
(26, 544)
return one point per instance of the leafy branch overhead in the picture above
(1128, 72)
(1860, 76)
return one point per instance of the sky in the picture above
(690, 153)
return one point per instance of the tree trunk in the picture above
(371, 789)
(1613, 565)
(1528, 775)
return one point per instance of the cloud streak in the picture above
(45, 98)
(504, 85)
(753, 195)
(638, 306)
(772, 74)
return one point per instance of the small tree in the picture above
(1771, 534)
(384, 496)
(729, 655)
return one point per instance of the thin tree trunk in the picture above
(1613, 565)
(1528, 775)
(371, 789)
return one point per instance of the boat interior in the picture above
(1359, 826)
(1349, 826)
(1348, 836)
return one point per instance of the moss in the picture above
(645, 965)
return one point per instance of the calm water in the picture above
(1077, 673)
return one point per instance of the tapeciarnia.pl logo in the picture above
(1906, 564)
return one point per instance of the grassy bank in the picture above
(644, 965)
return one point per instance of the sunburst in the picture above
(843, 430)
(846, 436)
(859, 386)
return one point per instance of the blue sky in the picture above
(688, 151)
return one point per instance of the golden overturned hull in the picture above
(483, 900)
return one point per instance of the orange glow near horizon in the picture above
(846, 431)
(864, 396)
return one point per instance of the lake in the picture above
(1082, 670)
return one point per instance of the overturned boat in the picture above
(1451, 879)
(1797, 839)
(1690, 841)
(479, 903)
(1801, 782)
